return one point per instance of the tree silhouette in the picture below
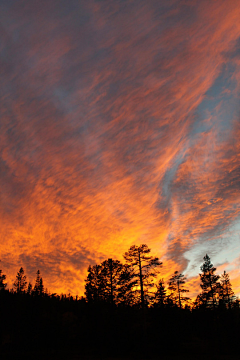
(176, 288)
(209, 282)
(117, 282)
(226, 294)
(38, 287)
(93, 286)
(29, 289)
(144, 268)
(110, 282)
(20, 283)
(2, 281)
(110, 278)
(161, 294)
(200, 301)
(127, 284)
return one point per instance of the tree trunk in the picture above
(179, 295)
(212, 295)
(111, 280)
(141, 280)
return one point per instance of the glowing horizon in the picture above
(119, 125)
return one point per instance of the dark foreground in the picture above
(53, 328)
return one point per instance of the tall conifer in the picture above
(226, 293)
(209, 283)
(20, 283)
(176, 287)
(144, 268)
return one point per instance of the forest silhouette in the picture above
(127, 312)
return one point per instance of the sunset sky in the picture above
(120, 125)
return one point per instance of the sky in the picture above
(119, 125)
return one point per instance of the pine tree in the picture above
(144, 269)
(176, 288)
(200, 301)
(209, 282)
(93, 286)
(38, 287)
(109, 282)
(116, 280)
(29, 289)
(226, 294)
(110, 277)
(2, 281)
(41, 287)
(20, 283)
(161, 294)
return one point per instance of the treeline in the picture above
(128, 312)
(133, 284)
